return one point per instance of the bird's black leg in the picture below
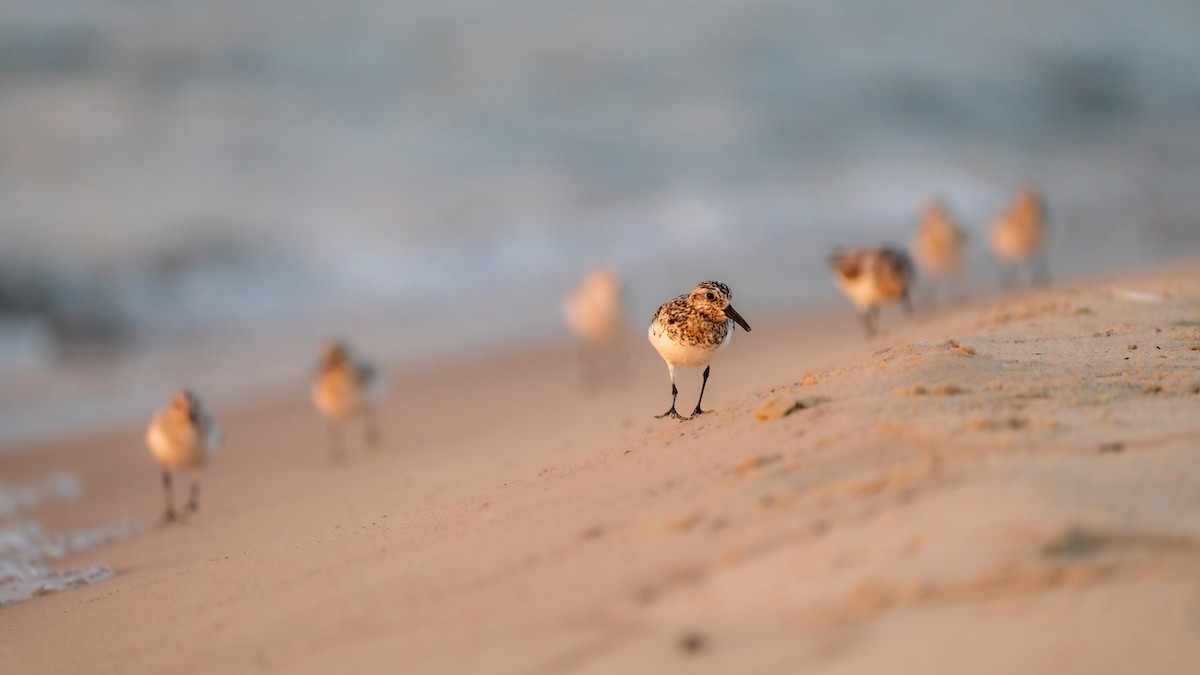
(619, 362)
(956, 290)
(169, 515)
(373, 433)
(868, 319)
(672, 412)
(336, 452)
(906, 303)
(1041, 271)
(1008, 277)
(703, 384)
(193, 504)
(587, 375)
(932, 295)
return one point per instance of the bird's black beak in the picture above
(732, 313)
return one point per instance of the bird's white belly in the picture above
(939, 257)
(862, 291)
(691, 356)
(183, 453)
(336, 396)
(1014, 244)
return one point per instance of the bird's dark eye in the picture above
(711, 296)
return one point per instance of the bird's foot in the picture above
(672, 413)
(168, 517)
(698, 412)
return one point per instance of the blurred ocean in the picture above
(239, 180)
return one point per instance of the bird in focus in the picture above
(689, 331)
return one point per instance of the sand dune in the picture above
(1008, 488)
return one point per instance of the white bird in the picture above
(939, 243)
(871, 278)
(347, 387)
(1019, 236)
(595, 312)
(689, 331)
(939, 248)
(183, 436)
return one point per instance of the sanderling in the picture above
(873, 277)
(1020, 235)
(939, 245)
(691, 329)
(182, 436)
(347, 387)
(595, 312)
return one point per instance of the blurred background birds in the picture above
(182, 437)
(1018, 239)
(348, 388)
(213, 182)
(939, 248)
(873, 278)
(595, 311)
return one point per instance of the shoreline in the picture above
(106, 396)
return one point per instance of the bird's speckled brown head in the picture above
(334, 353)
(1028, 205)
(712, 299)
(934, 215)
(185, 403)
(846, 264)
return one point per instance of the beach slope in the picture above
(1013, 487)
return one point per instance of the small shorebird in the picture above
(347, 387)
(1019, 236)
(871, 278)
(595, 312)
(182, 436)
(691, 329)
(939, 244)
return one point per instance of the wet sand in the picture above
(1010, 487)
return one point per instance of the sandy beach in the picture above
(1009, 487)
(207, 195)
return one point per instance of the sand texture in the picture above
(1008, 488)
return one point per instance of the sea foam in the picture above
(27, 552)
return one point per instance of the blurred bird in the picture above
(1019, 236)
(595, 312)
(347, 387)
(182, 436)
(689, 331)
(939, 245)
(871, 278)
